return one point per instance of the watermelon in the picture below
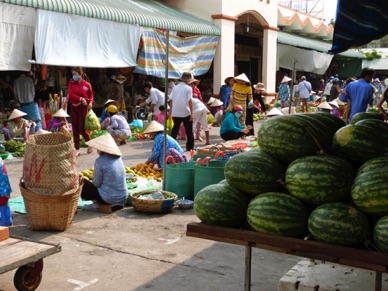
(221, 205)
(338, 223)
(370, 191)
(335, 121)
(288, 137)
(278, 214)
(376, 124)
(373, 164)
(380, 234)
(366, 115)
(320, 179)
(357, 144)
(254, 172)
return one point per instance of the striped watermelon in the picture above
(366, 115)
(357, 144)
(331, 119)
(320, 179)
(376, 124)
(288, 137)
(221, 205)
(370, 191)
(373, 164)
(338, 223)
(254, 172)
(277, 213)
(380, 234)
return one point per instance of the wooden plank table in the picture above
(359, 258)
(27, 255)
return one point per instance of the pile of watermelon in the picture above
(312, 175)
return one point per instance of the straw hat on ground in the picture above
(242, 77)
(61, 113)
(187, 77)
(334, 103)
(286, 79)
(154, 126)
(324, 105)
(211, 99)
(285, 110)
(259, 86)
(16, 113)
(274, 112)
(105, 143)
(216, 103)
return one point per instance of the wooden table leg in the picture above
(248, 265)
(378, 281)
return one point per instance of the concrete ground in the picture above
(128, 250)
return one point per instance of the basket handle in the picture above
(205, 160)
(170, 158)
(198, 161)
(219, 153)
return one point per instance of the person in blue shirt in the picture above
(359, 93)
(231, 127)
(226, 91)
(156, 131)
(109, 184)
(104, 120)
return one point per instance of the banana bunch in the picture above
(87, 174)
(148, 171)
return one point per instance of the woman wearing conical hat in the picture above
(284, 91)
(17, 126)
(59, 122)
(241, 93)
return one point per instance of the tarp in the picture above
(358, 22)
(71, 40)
(193, 53)
(17, 29)
(304, 60)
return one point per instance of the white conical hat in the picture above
(242, 77)
(110, 101)
(274, 111)
(324, 105)
(285, 79)
(106, 144)
(154, 126)
(211, 99)
(61, 113)
(334, 103)
(285, 110)
(16, 113)
(216, 103)
(339, 102)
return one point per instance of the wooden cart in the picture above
(359, 258)
(27, 256)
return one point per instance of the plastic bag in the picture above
(91, 121)
(169, 125)
(137, 123)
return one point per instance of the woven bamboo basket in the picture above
(154, 206)
(47, 212)
(50, 165)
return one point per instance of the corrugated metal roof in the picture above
(313, 44)
(147, 13)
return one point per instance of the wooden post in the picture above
(248, 265)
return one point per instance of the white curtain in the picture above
(17, 29)
(70, 40)
(305, 60)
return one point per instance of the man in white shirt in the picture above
(181, 106)
(304, 89)
(156, 97)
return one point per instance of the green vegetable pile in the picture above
(14, 147)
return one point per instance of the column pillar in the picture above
(270, 58)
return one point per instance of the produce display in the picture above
(15, 147)
(312, 176)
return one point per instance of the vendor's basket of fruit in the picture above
(152, 201)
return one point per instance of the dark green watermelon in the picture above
(366, 115)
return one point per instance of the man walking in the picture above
(304, 89)
(181, 106)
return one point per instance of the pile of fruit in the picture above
(311, 176)
(147, 171)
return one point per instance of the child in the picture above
(159, 117)
(59, 122)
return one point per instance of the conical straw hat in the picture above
(324, 105)
(154, 126)
(211, 99)
(110, 101)
(106, 144)
(242, 77)
(334, 103)
(16, 113)
(274, 111)
(216, 103)
(339, 102)
(61, 113)
(259, 86)
(285, 110)
(285, 79)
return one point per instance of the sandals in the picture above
(89, 150)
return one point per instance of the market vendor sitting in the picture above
(156, 131)
(104, 119)
(231, 127)
(17, 127)
(109, 184)
(59, 122)
(118, 126)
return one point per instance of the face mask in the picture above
(237, 114)
(76, 78)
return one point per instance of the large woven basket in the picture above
(153, 206)
(50, 212)
(49, 165)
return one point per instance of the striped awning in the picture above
(146, 13)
